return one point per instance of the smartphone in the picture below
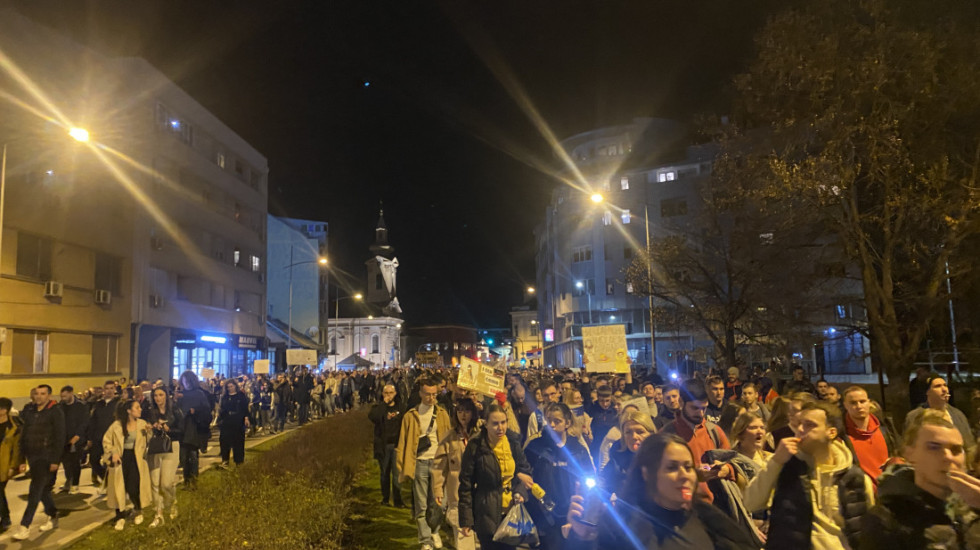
(593, 502)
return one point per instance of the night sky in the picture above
(438, 134)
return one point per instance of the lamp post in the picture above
(78, 134)
(653, 320)
(321, 261)
(336, 317)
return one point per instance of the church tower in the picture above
(382, 271)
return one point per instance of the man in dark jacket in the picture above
(604, 416)
(284, 398)
(76, 424)
(915, 508)
(387, 419)
(42, 444)
(103, 415)
(196, 409)
(301, 391)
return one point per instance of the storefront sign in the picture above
(604, 349)
(549, 335)
(212, 339)
(248, 342)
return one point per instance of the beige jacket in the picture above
(826, 530)
(408, 440)
(448, 463)
(113, 442)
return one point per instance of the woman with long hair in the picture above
(124, 444)
(634, 427)
(655, 509)
(748, 437)
(558, 461)
(517, 395)
(166, 420)
(233, 419)
(494, 474)
(466, 425)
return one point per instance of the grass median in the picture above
(294, 492)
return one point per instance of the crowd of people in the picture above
(730, 459)
(137, 437)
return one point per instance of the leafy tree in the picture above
(873, 109)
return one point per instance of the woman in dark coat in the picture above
(655, 509)
(233, 419)
(494, 474)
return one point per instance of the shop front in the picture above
(210, 354)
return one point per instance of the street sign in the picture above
(480, 378)
(604, 349)
(427, 357)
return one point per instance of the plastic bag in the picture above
(517, 528)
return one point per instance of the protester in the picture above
(103, 415)
(656, 508)
(934, 503)
(750, 399)
(799, 383)
(387, 419)
(785, 418)
(716, 398)
(869, 437)
(233, 422)
(558, 462)
(283, 397)
(604, 417)
(423, 427)
(10, 456)
(918, 387)
(448, 464)
(536, 422)
(733, 386)
(41, 445)
(671, 406)
(494, 473)
(197, 425)
(635, 427)
(129, 474)
(749, 436)
(817, 493)
(166, 420)
(76, 425)
(937, 398)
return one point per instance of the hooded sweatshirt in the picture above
(869, 446)
(827, 526)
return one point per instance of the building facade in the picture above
(525, 336)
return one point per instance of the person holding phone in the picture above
(124, 444)
(655, 508)
(165, 419)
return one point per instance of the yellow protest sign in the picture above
(480, 378)
(604, 349)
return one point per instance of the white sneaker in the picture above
(173, 512)
(48, 525)
(138, 519)
(436, 541)
(22, 533)
(157, 522)
(120, 524)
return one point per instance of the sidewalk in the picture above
(82, 512)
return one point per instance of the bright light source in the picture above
(533, 322)
(358, 296)
(590, 482)
(50, 172)
(213, 339)
(612, 317)
(673, 376)
(175, 124)
(80, 134)
(579, 284)
(530, 290)
(323, 261)
(596, 198)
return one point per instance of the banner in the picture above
(604, 349)
(301, 357)
(207, 374)
(260, 366)
(480, 378)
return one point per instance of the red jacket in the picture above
(870, 446)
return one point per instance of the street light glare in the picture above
(358, 296)
(323, 261)
(579, 284)
(596, 198)
(80, 134)
(530, 290)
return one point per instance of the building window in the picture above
(375, 344)
(534, 330)
(765, 238)
(629, 287)
(107, 273)
(104, 353)
(624, 183)
(610, 288)
(673, 207)
(29, 353)
(842, 312)
(626, 216)
(627, 252)
(582, 254)
(219, 159)
(238, 257)
(607, 218)
(256, 263)
(239, 168)
(666, 176)
(34, 256)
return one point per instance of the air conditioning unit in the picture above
(156, 243)
(156, 300)
(53, 289)
(103, 297)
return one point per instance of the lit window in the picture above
(238, 257)
(629, 287)
(220, 160)
(256, 263)
(842, 312)
(607, 218)
(626, 216)
(666, 176)
(624, 183)
(765, 238)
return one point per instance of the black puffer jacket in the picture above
(44, 433)
(556, 469)
(908, 517)
(481, 485)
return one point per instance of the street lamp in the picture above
(581, 285)
(321, 261)
(358, 296)
(79, 134)
(530, 290)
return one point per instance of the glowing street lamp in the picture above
(597, 198)
(79, 134)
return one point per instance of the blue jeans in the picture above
(42, 481)
(428, 515)
(389, 475)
